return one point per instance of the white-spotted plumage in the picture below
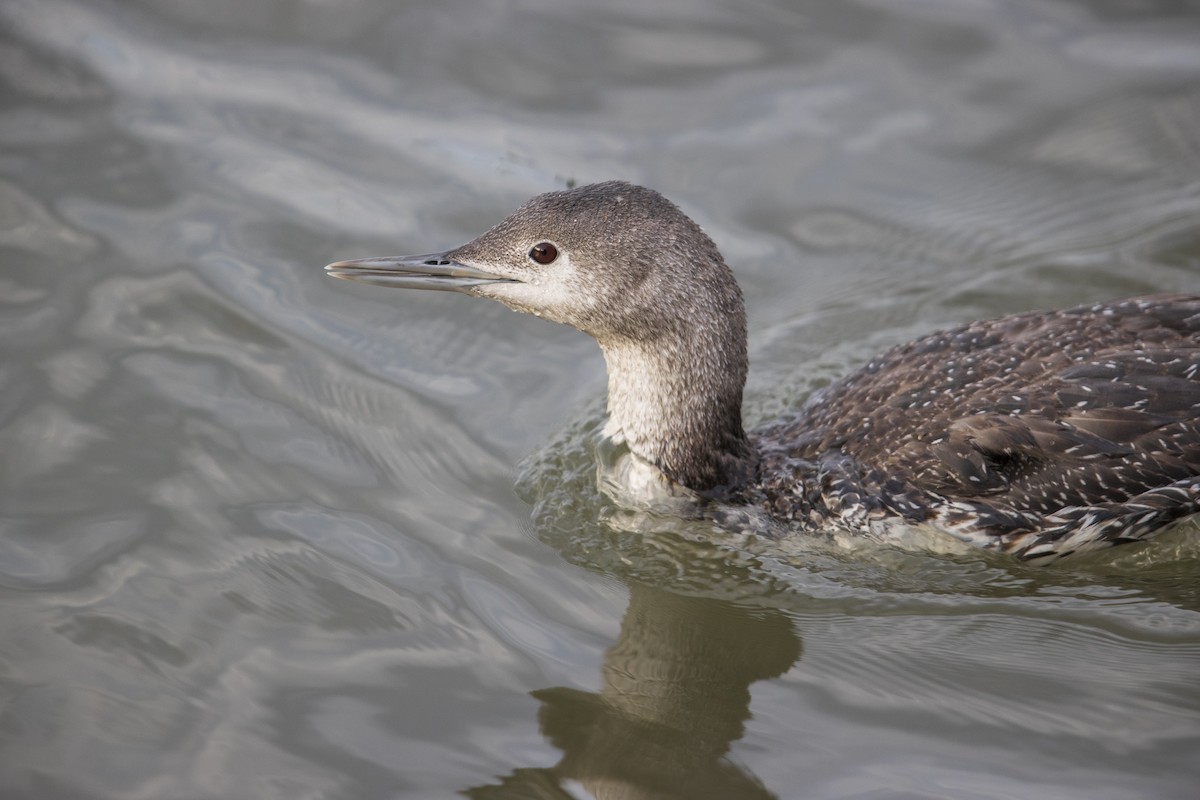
(1040, 434)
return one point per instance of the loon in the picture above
(1037, 434)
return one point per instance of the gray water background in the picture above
(264, 534)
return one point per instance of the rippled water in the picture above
(263, 534)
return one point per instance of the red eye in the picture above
(543, 253)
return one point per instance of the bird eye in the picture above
(543, 252)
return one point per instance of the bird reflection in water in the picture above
(676, 696)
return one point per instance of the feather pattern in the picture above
(1039, 434)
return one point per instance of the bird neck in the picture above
(676, 402)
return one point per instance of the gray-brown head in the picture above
(626, 266)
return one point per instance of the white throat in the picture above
(640, 400)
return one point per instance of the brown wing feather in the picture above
(1035, 412)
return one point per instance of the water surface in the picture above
(264, 534)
